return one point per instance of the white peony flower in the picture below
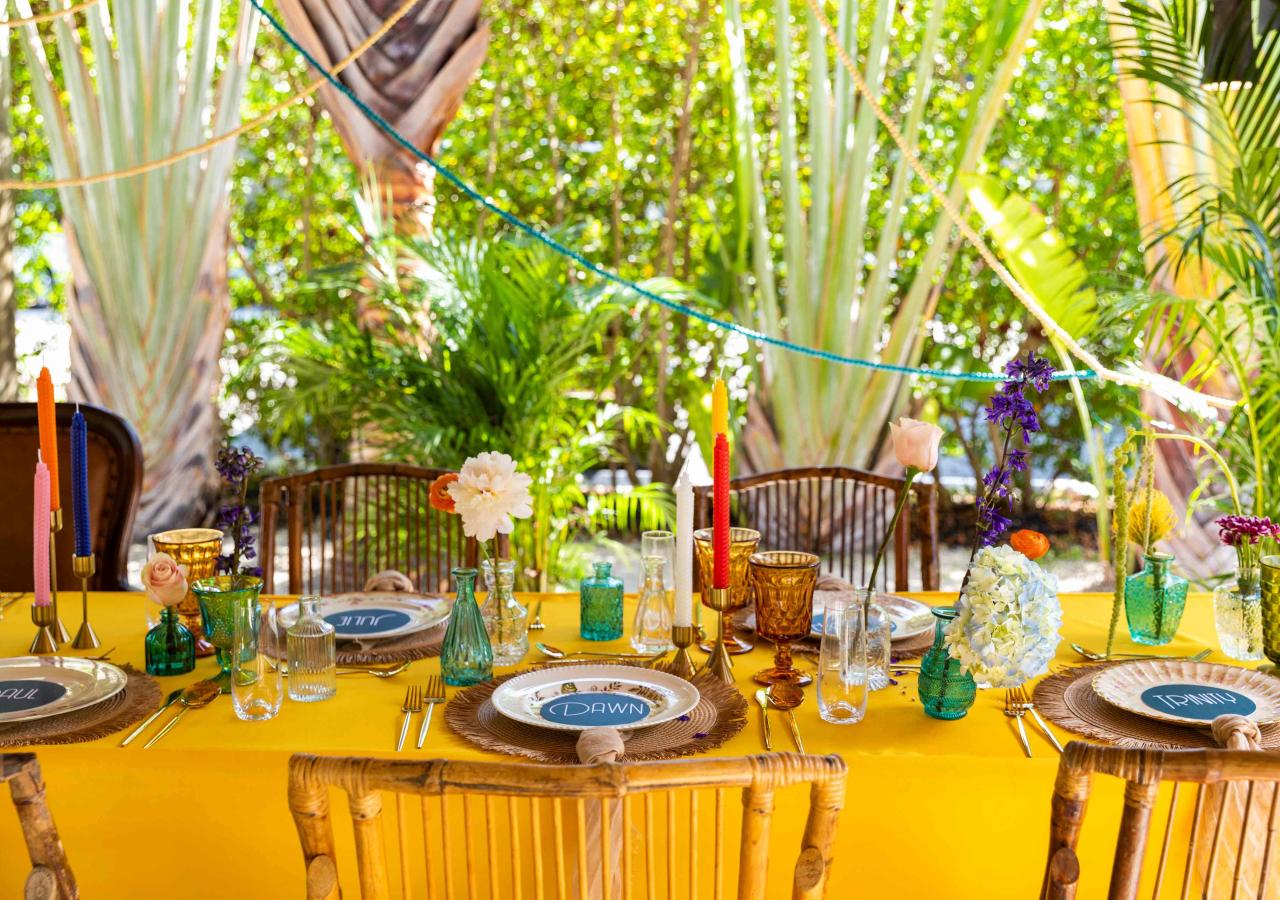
(489, 494)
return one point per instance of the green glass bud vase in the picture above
(600, 605)
(1154, 600)
(170, 646)
(467, 655)
(220, 597)
(946, 692)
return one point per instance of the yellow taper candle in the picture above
(719, 408)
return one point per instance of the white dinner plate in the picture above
(36, 687)
(375, 615)
(575, 698)
(1189, 693)
(907, 618)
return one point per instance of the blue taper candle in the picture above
(80, 483)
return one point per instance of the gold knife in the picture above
(763, 699)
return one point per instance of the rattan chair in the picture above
(50, 877)
(1228, 844)
(841, 514)
(499, 830)
(345, 523)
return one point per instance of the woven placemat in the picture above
(720, 714)
(141, 697)
(406, 648)
(1068, 699)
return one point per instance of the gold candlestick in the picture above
(683, 636)
(60, 633)
(43, 617)
(718, 663)
(84, 568)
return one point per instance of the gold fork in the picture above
(1023, 700)
(536, 624)
(412, 704)
(434, 694)
(1013, 711)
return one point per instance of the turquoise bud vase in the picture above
(170, 647)
(946, 692)
(467, 656)
(1154, 600)
(600, 613)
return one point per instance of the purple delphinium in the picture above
(1013, 413)
(237, 465)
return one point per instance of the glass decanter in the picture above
(506, 619)
(466, 657)
(1237, 610)
(170, 645)
(946, 691)
(600, 600)
(651, 631)
(1153, 601)
(313, 656)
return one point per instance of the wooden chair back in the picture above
(841, 514)
(115, 488)
(50, 877)
(511, 830)
(1223, 843)
(345, 523)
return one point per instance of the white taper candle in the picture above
(684, 547)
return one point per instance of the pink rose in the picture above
(915, 443)
(164, 579)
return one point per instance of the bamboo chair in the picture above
(343, 524)
(50, 877)
(841, 514)
(1231, 844)
(519, 825)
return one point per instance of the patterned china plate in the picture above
(575, 698)
(36, 687)
(1189, 693)
(373, 615)
(907, 618)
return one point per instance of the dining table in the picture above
(933, 808)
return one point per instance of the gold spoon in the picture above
(556, 653)
(786, 696)
(202, 693)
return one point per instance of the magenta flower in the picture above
(1238, 530)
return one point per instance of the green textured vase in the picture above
(467, 656)
(219, 597)
(170, 647)
(600, 605)
(946, 692)
(1154, 600)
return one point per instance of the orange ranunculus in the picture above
(440, 498)
(1031, 544)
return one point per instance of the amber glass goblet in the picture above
(197, 549)
(742, 543)
(783, 582)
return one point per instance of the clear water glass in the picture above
(257, 688)
(651, 631)
(843, 674)
(661, 544)
(313, 654)
(1237, 613)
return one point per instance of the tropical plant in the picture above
(8, 296)
(148, 302)
(830, 290)
(515, 357)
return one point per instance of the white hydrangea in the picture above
(1006, 628)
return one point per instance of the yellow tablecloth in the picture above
(934, 809)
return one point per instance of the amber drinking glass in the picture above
(783, 581)
(742, 543)
(198, 549)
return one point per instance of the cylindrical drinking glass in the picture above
(842, 662)
(257, 688)
(661, 544)
(742, 543)
(783, 582)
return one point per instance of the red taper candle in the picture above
(720, 514)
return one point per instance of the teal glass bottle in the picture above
(946, 692)
(600, 596)
(467, 656)
(170, 647)
(1154, 600)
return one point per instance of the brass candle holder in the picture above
(43, 617)
(719, 663)
(84, 567)
(683, 637)
(60, 633)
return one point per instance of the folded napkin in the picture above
(602, 745)
(829, 582)
(390, 580)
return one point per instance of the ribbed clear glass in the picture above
(313, 657)
(651, 632)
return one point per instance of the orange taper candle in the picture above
(47, 419)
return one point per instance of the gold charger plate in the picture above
(1189, 693)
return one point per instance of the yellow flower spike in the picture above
(1163, 518)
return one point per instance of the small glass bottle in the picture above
(1237, 612)
(600, 596)
(170, 646)
(946, 690)
(313, 656)
(467, 657)
(651, 632)
(506, 619)
(1153, 601)
(879, 646)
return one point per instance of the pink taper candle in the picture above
(41, 534)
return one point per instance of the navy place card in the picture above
(596, 709)
(367, 621)
(18, 696)
(1197, 701)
